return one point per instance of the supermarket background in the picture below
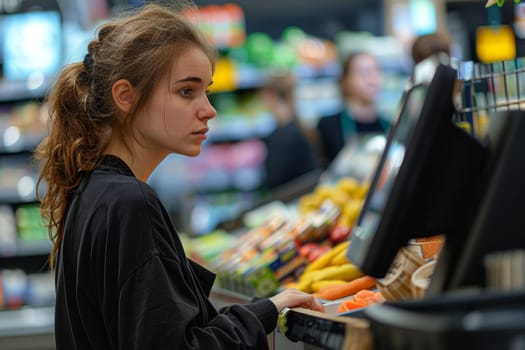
(206, 194)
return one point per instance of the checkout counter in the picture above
(435, 177)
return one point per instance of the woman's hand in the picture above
(295, 298)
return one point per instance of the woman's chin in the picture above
(193, 152)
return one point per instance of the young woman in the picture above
(360, 84)
(122, 278)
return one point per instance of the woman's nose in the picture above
(207, 111)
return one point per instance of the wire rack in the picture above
(486, 88)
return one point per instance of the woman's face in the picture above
(363, 81)
(175, 119)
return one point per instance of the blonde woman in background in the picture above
(360, 84)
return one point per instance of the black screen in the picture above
(425, 183)
(386, 172)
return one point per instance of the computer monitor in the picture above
(424, 181)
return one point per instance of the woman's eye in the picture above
(186, 92)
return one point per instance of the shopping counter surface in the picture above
(482, 320)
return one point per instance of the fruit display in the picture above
(306, 251)
(331, 268)
(347, 194)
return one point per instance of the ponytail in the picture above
(72, 146)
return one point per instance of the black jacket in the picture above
(289, 155)
(123, 280)
(332, 136)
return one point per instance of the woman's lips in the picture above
(201, 133)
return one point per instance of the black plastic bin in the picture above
(487, 320)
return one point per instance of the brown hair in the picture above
(138, 47)
(427, 45)
(282, 84)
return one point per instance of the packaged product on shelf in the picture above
(7, 231)
(22, 125)
(263, 258)
(276, 253)
(14, 284)
(269, 256)
(247, 273)
(40, 289)
(19, 288)
(204, 249)
(29, 223)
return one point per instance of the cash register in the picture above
(435, 178)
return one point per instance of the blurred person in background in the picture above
(360, 84)
(427, 45)
(289, 151)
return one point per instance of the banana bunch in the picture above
(329, 269)
(347, 194)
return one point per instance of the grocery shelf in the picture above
(26, 152)
(29, 328)
(27, 249)
(27, 321)
(20, 90)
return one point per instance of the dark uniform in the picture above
(289, 155)
(336, 130)
(123, 280)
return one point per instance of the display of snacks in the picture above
(299, 250)
(205, 249)
(269, 256)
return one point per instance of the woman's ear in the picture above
(124, 95)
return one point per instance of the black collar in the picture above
(111, 162)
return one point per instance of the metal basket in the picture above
(486, 88)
